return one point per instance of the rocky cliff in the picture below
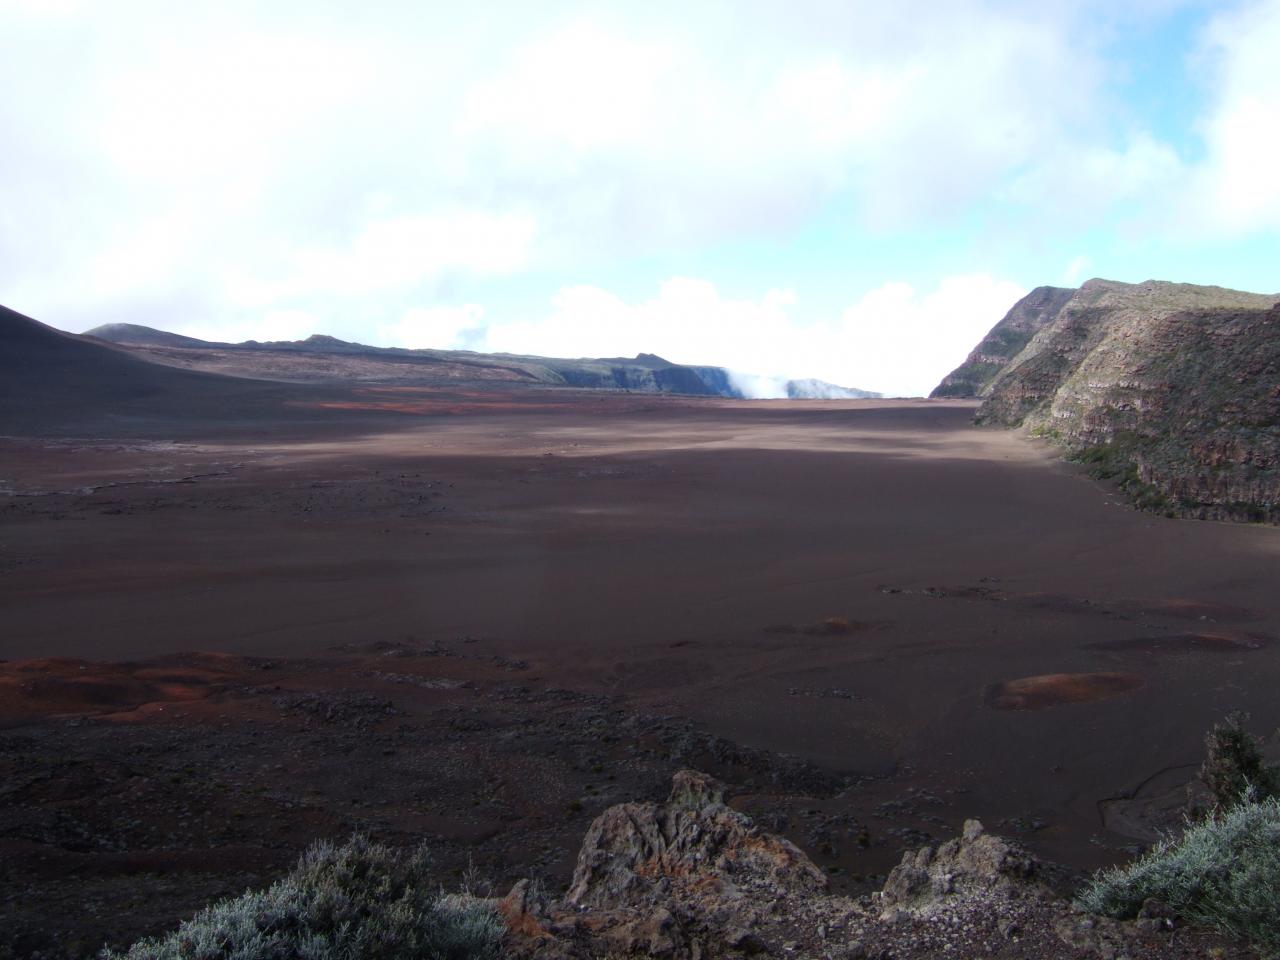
(1172, 390)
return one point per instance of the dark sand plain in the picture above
(479, 617)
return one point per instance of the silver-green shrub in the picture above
(1223, 872)
(341, 902)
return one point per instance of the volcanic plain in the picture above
(479, 617)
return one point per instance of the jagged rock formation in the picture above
(669, 879)
(1172, 389)
(694, 838)
(1004, 342)
(691, 878)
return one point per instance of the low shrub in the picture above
(1223, 872)
(357, 899)
(1233, 764)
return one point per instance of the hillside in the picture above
(1171, 389)
(57, 383)
(42, 367)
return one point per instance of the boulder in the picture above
(634, 854)
(974, 864)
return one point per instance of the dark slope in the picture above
(1005, 341)
(57, 382)
(39, 364)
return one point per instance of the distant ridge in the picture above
(1171, 389)
(133, 333)
(643, 373)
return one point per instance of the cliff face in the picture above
(1172, 389)
(1005, 341)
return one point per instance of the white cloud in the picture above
(1237, 189)
(41, 8)
(401, 252)
(581, 87)
(1083, 182)
(439, 327)
(272, 325)
(898, 340)
(638, 132)
(223, 112)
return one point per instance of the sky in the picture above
(843, 190)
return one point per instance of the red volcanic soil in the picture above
(57, 686)
(1054, 689)
(479, 619)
